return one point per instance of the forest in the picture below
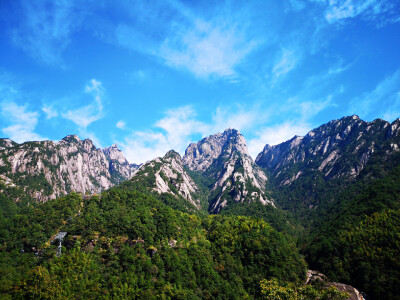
(130, 243)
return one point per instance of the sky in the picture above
(151, 76)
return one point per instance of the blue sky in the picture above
(156, 75)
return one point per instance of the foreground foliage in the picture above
(359, 243)
(272, 290)
(125, 244)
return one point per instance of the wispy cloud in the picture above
(286, 62)
(298, 121)
(173, 131)
(383, 100)
(276, 134)
(207, 49)
(121, 124)
(237, 116)
(86, 115)
(44, 29)
(211, 45)
(50, 111)
(23, 122)
(379, 11)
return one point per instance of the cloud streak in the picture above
(44, 29)
(173, 131)
(287, 61)
(86, 115)
(276, 134)
(211, 45)
(380, 11)
(23, 122)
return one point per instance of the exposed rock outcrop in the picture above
(338, 149)
(315, 276)
(167, 175)
(47, 169)
(224, 158)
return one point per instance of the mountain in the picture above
(338, 149)
(214, 173)
(315, 167)
(166, 175)
(335, 195)
(235, 178)
(46, 170)
(341, 181)
(118, 164)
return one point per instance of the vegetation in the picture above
(272, 290)
(126, 244)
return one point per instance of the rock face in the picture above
(167, 175)
(338, 149)
(46, 170)
(315, 277)
(118, 164)
(224, 158)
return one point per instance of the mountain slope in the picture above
(224, 159)
(338, 149)
(166, 176)
(46, 170)
(128, 245)
(308, 171)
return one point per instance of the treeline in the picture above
(126, 244)
(359, 241)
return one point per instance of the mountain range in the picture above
(319, 189)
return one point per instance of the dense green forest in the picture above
(129, 242)
(359, 241)
(126, 244)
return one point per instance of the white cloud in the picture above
(207, 49)
(23, 122)
(50, 111)
(120, 124)
(287, 61)
(206, 45)
(86, 115)
(238, 118)
(380, 11)
(45, 28)
(178, 128)
(308, 109)
(173, 131)
(276, 134)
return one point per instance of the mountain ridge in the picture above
(57, 168)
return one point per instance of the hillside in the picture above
(46, 170)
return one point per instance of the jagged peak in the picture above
(6, 142)
(172, 154)
(71, 138)
(231, 131)
(113, 147)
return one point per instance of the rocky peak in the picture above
(224, 158)
(114, 153)
(169, 177)
(339, 148)
(7, 143)
(59, 168)
(71, 138)
(199, 156)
